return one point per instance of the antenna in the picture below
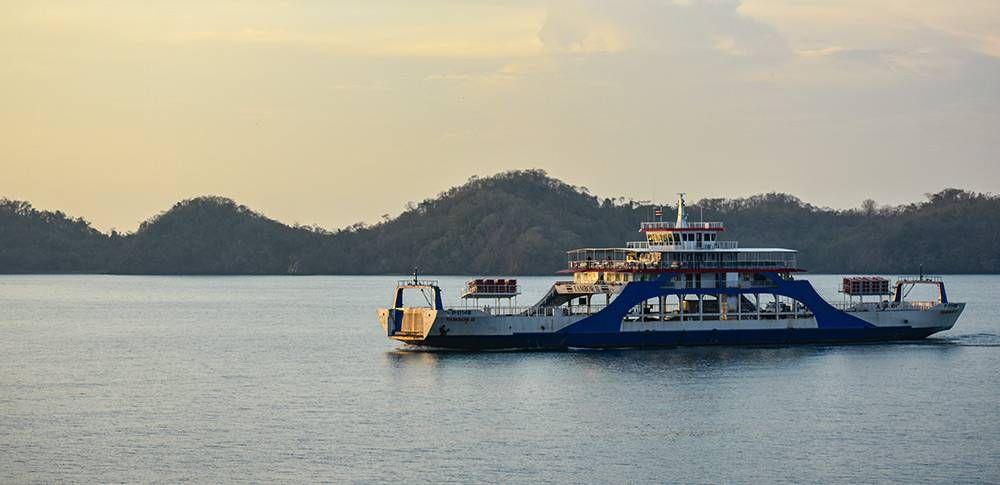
(681, 213)
(415, 275)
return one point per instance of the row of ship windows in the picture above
(675, 306)
(689, 280)
(669, 238)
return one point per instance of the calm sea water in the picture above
(215, 379)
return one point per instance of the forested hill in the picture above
(512, 223)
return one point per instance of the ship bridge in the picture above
(681, 234)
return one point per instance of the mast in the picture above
(681, 213)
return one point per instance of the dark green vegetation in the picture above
(512, 223)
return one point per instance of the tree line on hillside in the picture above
(519, 222)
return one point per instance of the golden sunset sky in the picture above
(332, 112)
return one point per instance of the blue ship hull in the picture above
(561, 341)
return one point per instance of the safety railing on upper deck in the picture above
(683, 245)
(744, 265)
(674, 225)
(919, 278)
(413, 282)
(883, 306)
(494, 287)
(532, 311)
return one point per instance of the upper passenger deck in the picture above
(681, 246)
(626, 260)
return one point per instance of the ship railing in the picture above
(722, 244)
(921, 305)
(492, 290)
(547, 311)
(883, 306)
(674, 225)
(412, 282)
(683, 245)
(849, 307)
(919, 278)
(598, 265)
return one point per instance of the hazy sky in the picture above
(334, 112)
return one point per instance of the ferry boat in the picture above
(681, 286)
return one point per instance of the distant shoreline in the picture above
(512, 223)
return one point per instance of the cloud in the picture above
(371, 42)
(498, 76)
(820, 52)
(970, 24)
(727, 44)
(576, 37)
(864, 68)
(575, 28)
(667, 28)
(397, 28)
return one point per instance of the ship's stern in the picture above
(410, 325)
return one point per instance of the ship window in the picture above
(647, 311)
(779, 306)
